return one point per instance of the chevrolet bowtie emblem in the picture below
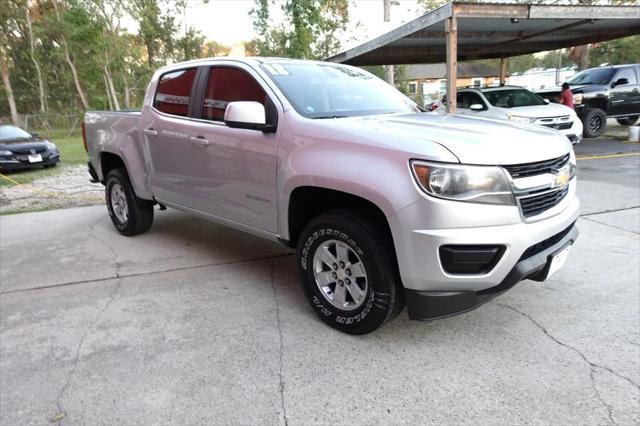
(561, 177)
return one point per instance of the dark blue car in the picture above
(22, 150)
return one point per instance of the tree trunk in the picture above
(72, 66)
(43, 104)
(4, 69)
(127, 97)
(112, 89)
(106, 87)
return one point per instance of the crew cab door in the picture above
(165, 135)
(625, 98)
(233, 171)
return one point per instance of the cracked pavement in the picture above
(194, 323)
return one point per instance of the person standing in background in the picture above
(566, 96)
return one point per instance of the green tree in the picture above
(621, 51)
(212, 48)
(156, 30)
(311, 30)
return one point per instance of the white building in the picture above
(542, 78)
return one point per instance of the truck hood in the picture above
(576, 88)
(473, 140)
(539, 111)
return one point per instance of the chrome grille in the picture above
(562, 126)
(27, 151)
(532, 205)
(537, 168)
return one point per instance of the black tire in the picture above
(384, 295)
(628, 121)
(595, 122)
(139, 212)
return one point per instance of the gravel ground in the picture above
(69, 188)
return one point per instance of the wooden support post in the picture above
(503, 70)
(451, 32)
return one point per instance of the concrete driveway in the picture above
(195, 323)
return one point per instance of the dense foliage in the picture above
(65, 56)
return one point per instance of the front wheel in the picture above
(349, 272)
(628, 121)
(129, 214)
(595, 122)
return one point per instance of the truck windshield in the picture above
(593, 76)
(510, 98)
(319, 90)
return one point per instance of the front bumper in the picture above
(421, 229)
(13, 164)
(429, 305)
(574, 134)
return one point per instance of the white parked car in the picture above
(519, 105)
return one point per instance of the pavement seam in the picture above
(61, 414)
(281, 375)
(610, 226)
(141, 274)
(592, 366)
(610, 211)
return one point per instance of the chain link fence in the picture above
(50, 125)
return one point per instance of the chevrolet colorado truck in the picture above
(598, 93)
(386, 205)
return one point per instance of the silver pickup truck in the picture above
(387, 206)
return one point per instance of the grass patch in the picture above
(72, 153)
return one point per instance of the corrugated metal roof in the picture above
(494, 31)
(465, 70)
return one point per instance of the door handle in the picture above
(151, 132)
(199, 141)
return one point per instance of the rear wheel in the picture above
(595, 122)
(628, 121)
(129, 214)
(349, 272)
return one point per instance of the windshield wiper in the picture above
(323, 117)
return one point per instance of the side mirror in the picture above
(546, 101)
(620, 82)
(476, 107)
(34, 134)
(246, 115)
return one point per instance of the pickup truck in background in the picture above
(386, 205)
(598, 93)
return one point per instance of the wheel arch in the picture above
(110, 160)
(308, 201)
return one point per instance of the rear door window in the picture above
(627, 73)
(174, 89)
(228, 84)
(466, 99)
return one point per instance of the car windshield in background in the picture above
(594, 76)
(331, 91)
(511, 98)
(9, 133)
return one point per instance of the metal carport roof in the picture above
(494, 30)
(465, 31)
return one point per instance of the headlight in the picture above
(472, 184)
(5, 153)
(53, 149)
(577, 99)
(520, 119)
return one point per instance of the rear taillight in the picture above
(433, 106)
(84, 137)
